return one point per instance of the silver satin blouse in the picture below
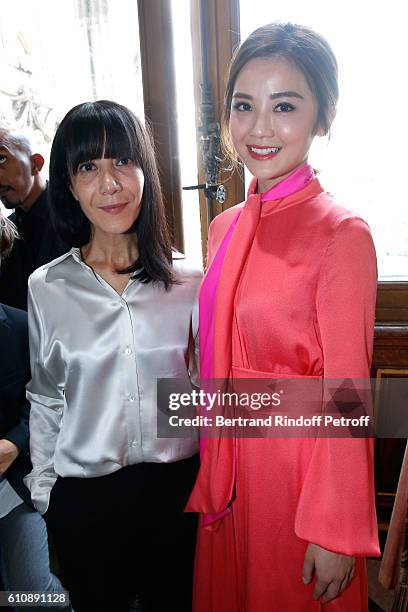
(95, 359)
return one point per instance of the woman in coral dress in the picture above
(289, 293)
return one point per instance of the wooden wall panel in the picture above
(390, 358)
(392, 302)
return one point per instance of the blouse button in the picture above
(128, 351)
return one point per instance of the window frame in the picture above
(159, 95)
(222, 28)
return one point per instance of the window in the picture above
(54, 55)
(365, 160)
(183, 63)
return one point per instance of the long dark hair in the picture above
(307, 50)
(94, 130)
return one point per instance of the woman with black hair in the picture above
(106, 321)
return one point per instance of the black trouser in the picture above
(125, 534)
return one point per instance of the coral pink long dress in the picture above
(296, 297)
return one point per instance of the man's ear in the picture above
(320, 130)
(37, 163)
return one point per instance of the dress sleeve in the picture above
(47, 402)
(336, 508)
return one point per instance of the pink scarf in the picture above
(215, 333)
(298, 179)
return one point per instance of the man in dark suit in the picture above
(24, 559)
(24, 190)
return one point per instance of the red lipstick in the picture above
(256, 152)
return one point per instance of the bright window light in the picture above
(364, 163)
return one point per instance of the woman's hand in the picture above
(8, 453)
(333, 572)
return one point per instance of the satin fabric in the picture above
(206, 332)
(296, 297)
(295, 181)
(95, 359)
(208, 291)
(208, 295)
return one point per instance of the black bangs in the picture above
(105, 129)
(97, 132)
